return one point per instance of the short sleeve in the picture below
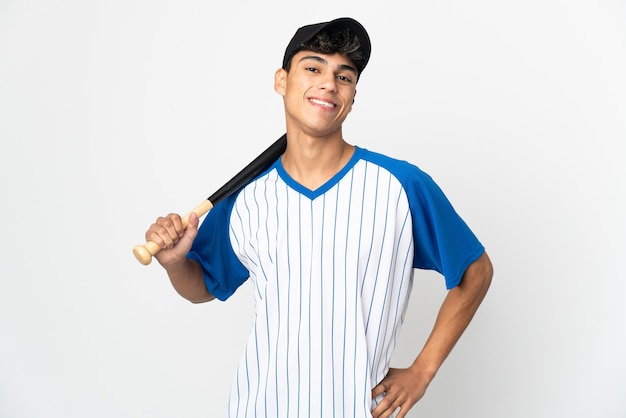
(443, 241)
(223, 272)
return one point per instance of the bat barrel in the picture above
(256, 167)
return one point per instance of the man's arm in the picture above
(175, 241)
(404, 387)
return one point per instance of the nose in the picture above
(328, 82)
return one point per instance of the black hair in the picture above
(343, 42)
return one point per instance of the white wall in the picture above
(112, 113)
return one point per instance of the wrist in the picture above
(425, 369)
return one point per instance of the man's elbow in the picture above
(196, 297)
(478, 276)
(201, 295)
(201, 300)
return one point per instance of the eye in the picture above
(345, 79)
(311, 69)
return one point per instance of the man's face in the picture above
(318, 92)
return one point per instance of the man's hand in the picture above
(175, 241)
(402, 389)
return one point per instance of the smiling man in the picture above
(330, 236)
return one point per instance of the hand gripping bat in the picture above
(144, 252)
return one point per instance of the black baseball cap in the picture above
(308, 32)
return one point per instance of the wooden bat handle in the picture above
(144, 253)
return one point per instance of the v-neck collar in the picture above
(312, 194)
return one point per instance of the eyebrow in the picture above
(323, 61)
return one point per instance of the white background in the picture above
(115, 112)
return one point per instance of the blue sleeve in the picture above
(443, 241)
(223, 272)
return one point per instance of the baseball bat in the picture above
(143, 253)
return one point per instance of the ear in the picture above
(280, 80)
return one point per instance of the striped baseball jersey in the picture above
(332, 270)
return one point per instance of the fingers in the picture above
(191, 230)
(193, 222)
(378, 390)
(381, 400)
(400, 391)
(389, 406)
(166, 231)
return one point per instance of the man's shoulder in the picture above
(403, 170)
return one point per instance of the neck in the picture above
(312, 161)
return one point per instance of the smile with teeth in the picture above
(323, 103)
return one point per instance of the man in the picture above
(329, 236)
